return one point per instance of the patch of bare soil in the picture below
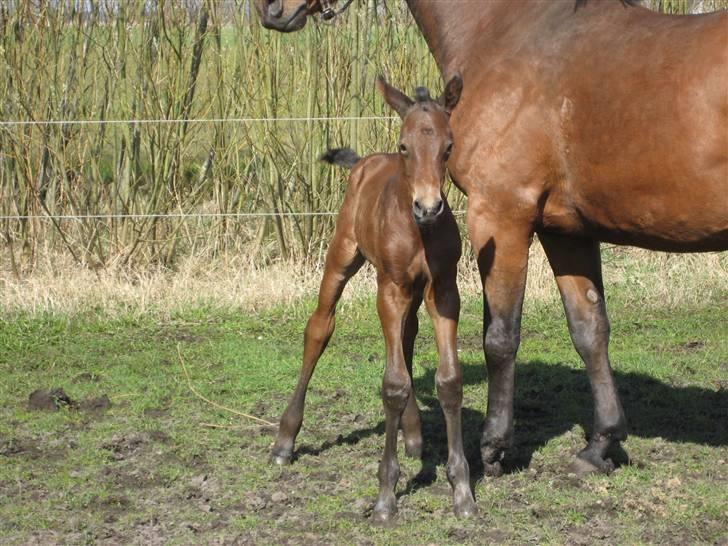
(124, 446)
(51, 400)
(55, 399)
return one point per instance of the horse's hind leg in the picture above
(577, 266)
(411, 424)
(343, 260)
(443, 305)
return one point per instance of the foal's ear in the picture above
(451, 94)
(394, 97)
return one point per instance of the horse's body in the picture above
(581, 121)
(395, 217)
(611, 121)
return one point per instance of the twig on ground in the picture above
(215, 404)
(229, 427)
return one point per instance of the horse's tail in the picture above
(343, 157)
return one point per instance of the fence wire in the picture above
(178, 215)
(22, 123)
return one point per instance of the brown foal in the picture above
(395, 217)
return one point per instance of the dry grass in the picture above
(57, 285)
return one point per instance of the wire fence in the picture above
(24, 123)
(180, 215)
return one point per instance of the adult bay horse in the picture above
(581, 121)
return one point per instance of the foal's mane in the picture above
(422, 94)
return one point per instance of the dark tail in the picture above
(343, 157)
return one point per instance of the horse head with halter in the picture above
(291, 15)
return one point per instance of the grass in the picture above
(162, 465)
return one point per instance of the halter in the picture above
(327, 9)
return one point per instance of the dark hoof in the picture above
(494, 470)
(585, 465)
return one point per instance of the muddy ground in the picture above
(127, 454)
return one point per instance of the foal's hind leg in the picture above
(411, 423)
(577, 266)
(343, 260)
(393, 304)
(443, 304)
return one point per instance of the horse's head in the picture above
(425, 143)
(291, 15)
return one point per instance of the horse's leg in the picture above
(502, 252)
(411, 424)
(443, 305)
(393, 305)
(343, 260)
(576, 263)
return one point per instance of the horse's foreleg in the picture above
(411, 424)
(576, 263)
(393, 304)
(443, 305)
(502, 253)
(343, 260)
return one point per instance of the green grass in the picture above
(151, 467)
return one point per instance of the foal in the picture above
(395, 217)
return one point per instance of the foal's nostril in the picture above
(437, 208)
(425, 214)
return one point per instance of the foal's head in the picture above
(425, 143)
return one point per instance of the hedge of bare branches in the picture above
(117, 65)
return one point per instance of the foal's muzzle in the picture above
(425, 215)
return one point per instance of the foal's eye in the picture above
(403, 149)
(448, 151)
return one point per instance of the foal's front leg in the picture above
(343, 260)
(411, 423)
(393, 304)
(443, 304)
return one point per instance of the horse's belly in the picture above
(676, 221)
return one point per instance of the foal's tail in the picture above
(343, 157)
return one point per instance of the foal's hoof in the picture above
(413, 449)
(466, 507)
(384, 511)
(281, 458)
(584, 465)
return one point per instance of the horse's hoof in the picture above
(583, 466)
(494, 469)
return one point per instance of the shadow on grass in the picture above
(550, 400)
